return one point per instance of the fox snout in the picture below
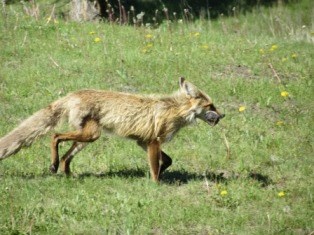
(213, 117)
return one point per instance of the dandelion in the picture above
(294, 55)
(273, 47)
(223, 193)
(52, 19)
(284, 94)
(242, 108)
(97, 39)
(281, 194)
(280, 123)
(284, 59)
(147, 48)
(205, 46)
(148, 36)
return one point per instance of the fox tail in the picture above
(36, 125)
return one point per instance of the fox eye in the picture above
(207, 106)
(210, 106)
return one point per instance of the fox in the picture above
(150, 120)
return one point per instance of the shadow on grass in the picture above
(264, 180)
(126, 173)
(168, 177)
(183, 177)
(222, 176)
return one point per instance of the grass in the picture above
(263, 186)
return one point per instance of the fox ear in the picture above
(188, 88)
(181, 81)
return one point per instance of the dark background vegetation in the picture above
(195, 8)
(158, 10)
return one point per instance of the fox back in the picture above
(139, 117)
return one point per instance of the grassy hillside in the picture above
(251, 174)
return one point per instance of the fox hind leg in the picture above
(67, 158)
(54, 154)
(90, 132)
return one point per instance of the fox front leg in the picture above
(164, 160)
(154, 156)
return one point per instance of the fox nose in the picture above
(212, 117)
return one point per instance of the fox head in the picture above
(202, 106)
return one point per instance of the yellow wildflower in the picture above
(294, 55)
(148, 36)
(91, 33)
(242, 108)
(284, 59)
(284, 93)
(196, 34)
(205, 46)
(223, 193)
(149, 45)
(281, 194)
(273, 47)
(54, 20)
(97, 39)
(280, 123)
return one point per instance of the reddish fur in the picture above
(149, 120)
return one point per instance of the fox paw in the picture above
(53, 169)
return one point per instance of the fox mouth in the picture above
(212, 118)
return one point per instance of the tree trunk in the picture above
(84, 10)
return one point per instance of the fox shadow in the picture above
(126, 173)
(177, 177)
(169, 177)
(181, 177)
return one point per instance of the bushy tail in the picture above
(36, 125)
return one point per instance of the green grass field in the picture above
(251, 174)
